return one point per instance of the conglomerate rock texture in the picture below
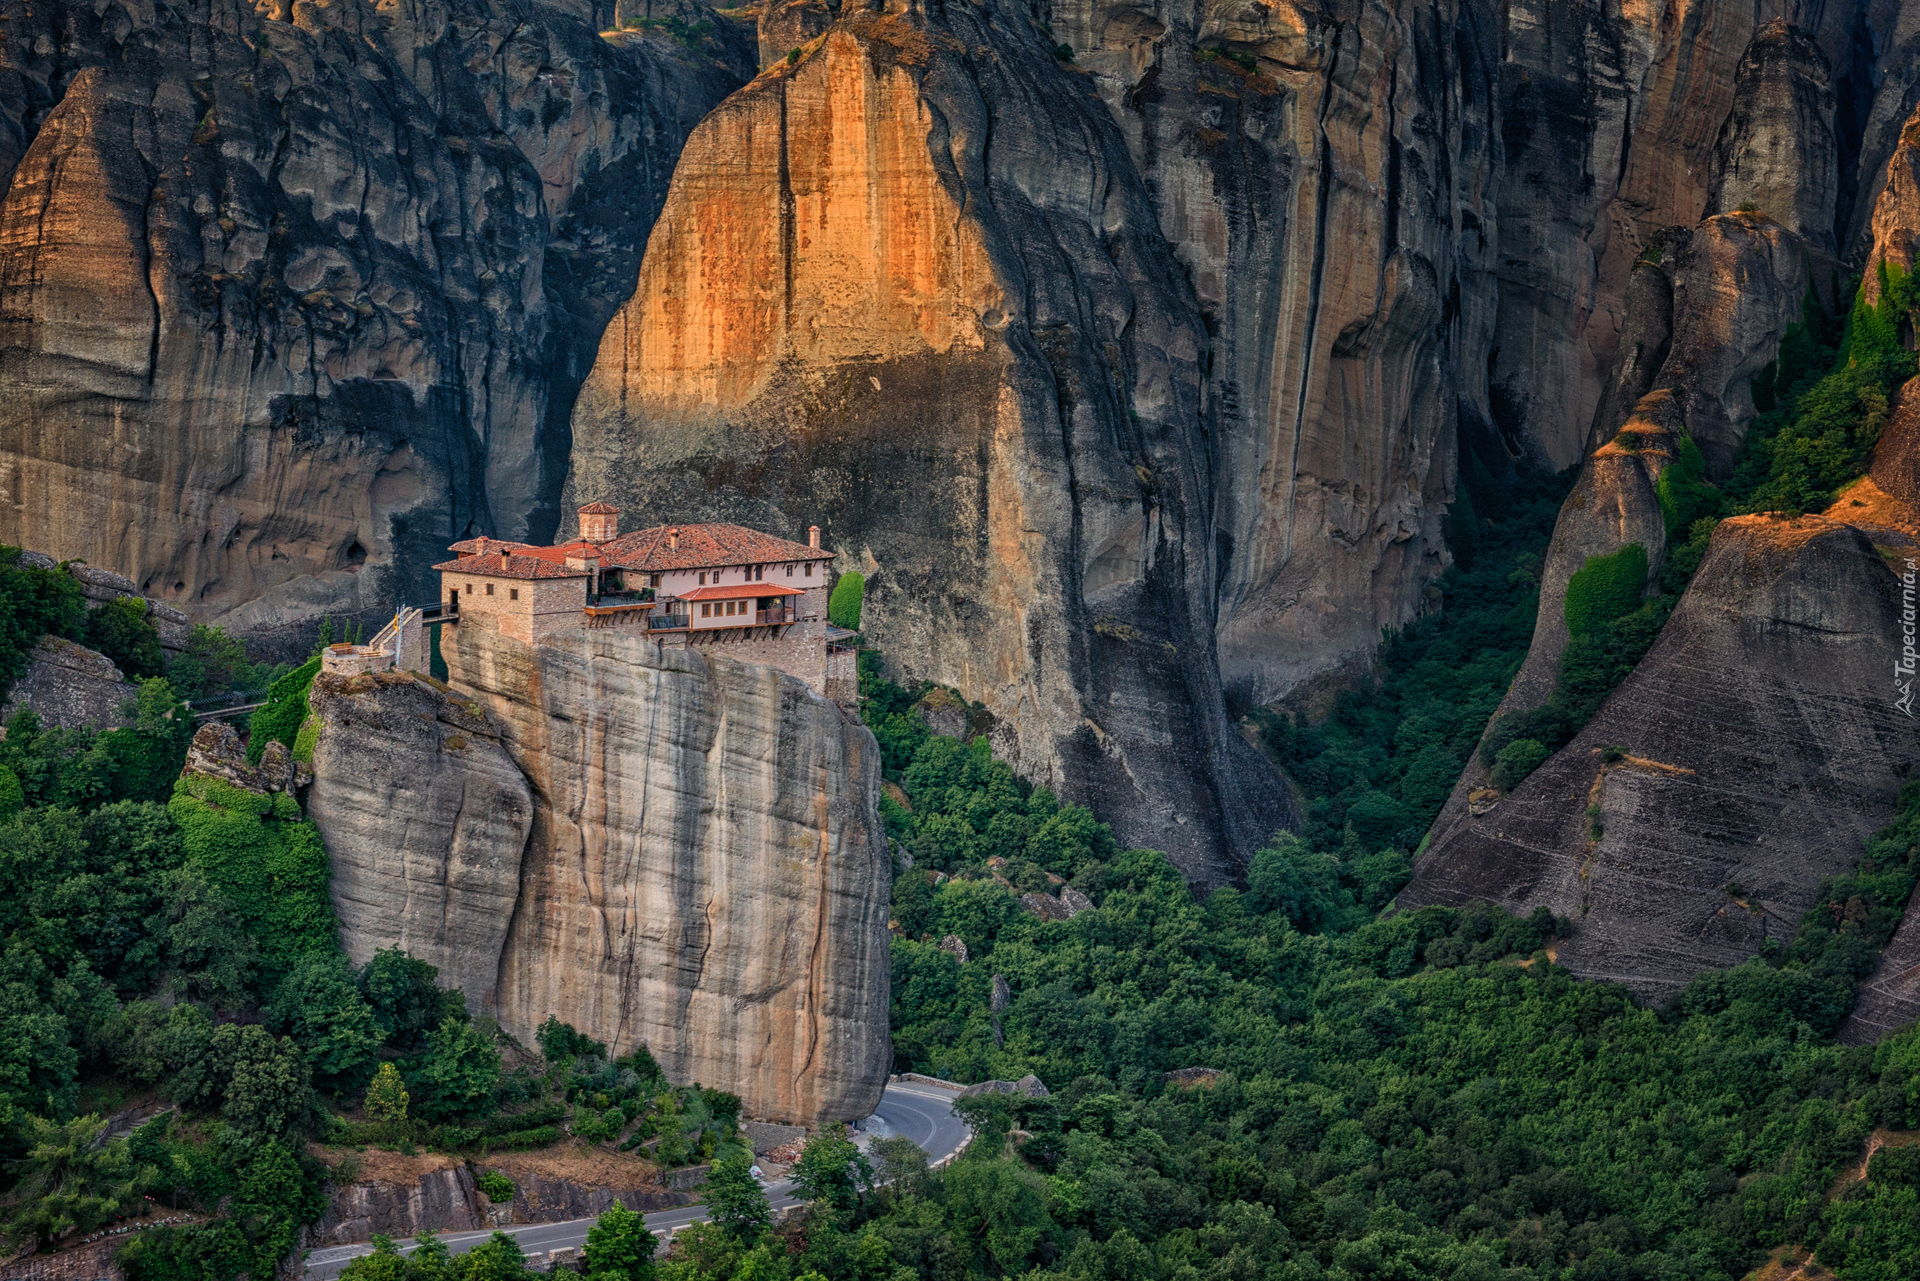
(909, 286)
(1760, 749)
(701, 868)
(292, 295)
(69, 686)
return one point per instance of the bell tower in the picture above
(599, 523)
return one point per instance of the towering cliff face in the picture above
(1777, 153)
(1333, 202)
(291, 295)
(654, 847)
(909, 286)
(1619, 123)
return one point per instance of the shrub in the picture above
(33, 603)
(12, 795)
(539, 1136)
(1682, 489)
(1605, 588)
(273, 871)
(497, 1186)
(213, 663)
(120, 630)
(386, 1099)
(561, 1044)
(843, 606)
(1063, 52)
(1517, 760)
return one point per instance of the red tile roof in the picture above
(559, 554)
(509, 566)
(483, 543)
(702, 547)
(599, 509)
(740, 591)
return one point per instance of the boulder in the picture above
(1028, 1086)
(216, 751)
(71, 687)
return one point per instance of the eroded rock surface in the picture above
(441, 1200)
(1761, 748)
(701, 868)
(1621, 123)
(289, 292)
(1326, 174)
(1777, 154)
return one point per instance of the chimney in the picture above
(813, 536)
(673, 539)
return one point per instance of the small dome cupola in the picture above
(599, 523)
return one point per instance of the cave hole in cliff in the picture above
(356, 555)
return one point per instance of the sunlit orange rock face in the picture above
(857, 252)
(908, 287)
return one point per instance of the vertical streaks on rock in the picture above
(1327, 175)
(707, 874)
(1611, 120)
(425, 818)
(1777, 153)
(910, 288)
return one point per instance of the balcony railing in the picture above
(667, 622)
(775, 616)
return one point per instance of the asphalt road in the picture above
(923, 1113)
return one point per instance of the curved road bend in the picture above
(921, 1112)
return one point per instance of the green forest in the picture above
(169, 936)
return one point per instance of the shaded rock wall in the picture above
(1614, 502)
(1777, 154)
(1334, 204)
(1762, 749)
(701, 868)
(911, 288)
(443, 1200)
(1706, 311)
(1619, 123)
(290, 294)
